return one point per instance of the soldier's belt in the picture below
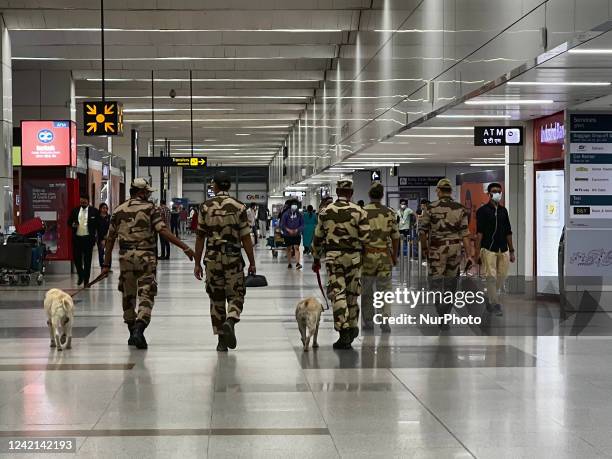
(377, 249)
(342, 249)
(125, 247)
(446, 242)
(228, 248)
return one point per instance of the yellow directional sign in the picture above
(103, 118)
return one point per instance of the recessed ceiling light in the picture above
(476, 117)
(168, 110)
(559, 83)
(242, 133)
(97, 29)
(510, 102)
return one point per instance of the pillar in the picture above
(6, 133)
(515, 203)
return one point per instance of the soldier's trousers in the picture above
(138, 284)
(443, 266)
(376, 277)
(344, 287)
(224, 285)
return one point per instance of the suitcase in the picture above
(16, 256)
(31, 227)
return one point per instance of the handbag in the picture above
(256, 280)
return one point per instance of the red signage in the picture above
(48, 143)
(549, 137)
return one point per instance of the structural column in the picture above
(6, 133)
(515, 203)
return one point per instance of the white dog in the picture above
(308, 314)
(60, 316)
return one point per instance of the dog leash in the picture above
(318, 272)
(93, 282)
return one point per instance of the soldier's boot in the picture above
(353, 333)
(130, 327)
(344, 341)
(138, 335)
(229, 335)
(221, 346)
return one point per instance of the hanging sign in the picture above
(102, 118)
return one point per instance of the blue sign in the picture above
(45, 136)
(60, 124)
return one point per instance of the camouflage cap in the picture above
(222, 179)
(444, 183)
(376, 187)
(141, 184)
(344, 184)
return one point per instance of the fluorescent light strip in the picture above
(96, 29)
(510, 102)
(195, 97)
(241, 133)
(437, 136)
(487, 164)
(201, 80)
(444, 128)
(559, 83)
(590, 51)
(168, 110)
(476, 117)
(208, 120)
(165, 58)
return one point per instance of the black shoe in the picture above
(229, 336)
(298, 266)
(131, 341)
(385, 328)
(80, 282)
(344, 341)
(289, 266)
(138, 335)
(221, 346)
(353, 333)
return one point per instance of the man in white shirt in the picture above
(84, 221)
(252, 218)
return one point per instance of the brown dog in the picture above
(308, 315)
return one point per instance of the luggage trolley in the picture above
(22, 257)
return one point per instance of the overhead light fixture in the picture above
(510, 102)
(201, 80)
(168, 110)
(487, 164)
(590, 51)
(437, 136)
(559, 83)
(241, 133)
(197, 97)
(96, 29)
(163, 58)
(444, 128)
(475, 117)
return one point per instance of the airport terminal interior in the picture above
(486, 127)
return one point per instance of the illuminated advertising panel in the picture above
(48, 143)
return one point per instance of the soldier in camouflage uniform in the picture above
(136, 223)
(341, 235)
(442, 229)
(380, 256)
(223, 225)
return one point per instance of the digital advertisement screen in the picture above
(48, 143)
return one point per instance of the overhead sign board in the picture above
(375, 175)
(102, 118)
(172, 161)
(48, 143)
(498, 136)
(420, 181)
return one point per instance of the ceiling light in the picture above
(559, 83)
(491, 117)
(164, 58)
(97, 29)
(210, 140)
(510, 102)
(486, 164)
(165, 110)
(453, 128)
(200, 80)
(437, 136)
(590, 51)
(195, 97)
(239, 133)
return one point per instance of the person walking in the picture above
(310, 223)
(135, 223)
(292, 227)
(224, 228)
(103, 225)
(183, 214)
(84, 221)
(494, 247)
(442, 230)
(252, 218)
(380, 256)
(405, 216)
(194, 220)
(175, 217)
(263, 215)
(167, 218)
(341, 235)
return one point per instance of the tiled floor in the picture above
(406, 395)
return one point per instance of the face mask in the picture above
(496, 197)
(83, 206)
(294, 208)
(403, 206)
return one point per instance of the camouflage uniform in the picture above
(340, 235)
(135, 223)
(446, 221)
(377, 264)
(223, 222)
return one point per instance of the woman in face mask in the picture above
(292, 227)
(310, 223)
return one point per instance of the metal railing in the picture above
(407, 260)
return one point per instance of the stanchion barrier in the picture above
(410, 256)
(420, 263)
(401, 260)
